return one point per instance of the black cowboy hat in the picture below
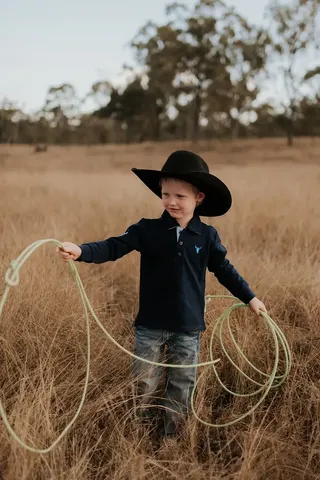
(191, 168)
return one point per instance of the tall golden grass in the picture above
(272, 234)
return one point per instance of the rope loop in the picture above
(12, 275)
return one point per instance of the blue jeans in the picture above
(182, 348)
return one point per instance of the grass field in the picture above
(272, 234)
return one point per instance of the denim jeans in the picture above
(181, 348)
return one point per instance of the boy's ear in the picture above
(201, 197)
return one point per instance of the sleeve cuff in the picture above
(86, 255)
(247, 297)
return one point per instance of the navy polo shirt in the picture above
(172, 273)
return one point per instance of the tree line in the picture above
(207, 72)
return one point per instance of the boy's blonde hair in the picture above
(194, 188)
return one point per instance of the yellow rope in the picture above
(272, 380)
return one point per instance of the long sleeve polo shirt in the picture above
(172, 272)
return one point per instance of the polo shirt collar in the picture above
(194, 225)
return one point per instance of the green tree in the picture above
(295, 37)
(137, 109)
(200, 58)
(62, 111)
(312, 79)
(100, 93)
(12, 119)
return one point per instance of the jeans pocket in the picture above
(193, 334)
(146, 334)
(192, 339)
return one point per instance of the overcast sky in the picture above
(46, 43)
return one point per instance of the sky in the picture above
(75, 41)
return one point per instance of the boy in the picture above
(175, 251)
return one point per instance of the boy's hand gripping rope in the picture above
(272, 380)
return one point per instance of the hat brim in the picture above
(218, 198)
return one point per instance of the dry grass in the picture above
(272, 234)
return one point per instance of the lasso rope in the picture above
(272, 380)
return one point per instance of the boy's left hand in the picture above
(256, 305)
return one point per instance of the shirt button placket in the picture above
(180, 243)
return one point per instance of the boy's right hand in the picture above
(69, 251)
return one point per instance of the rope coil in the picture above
(272, 380)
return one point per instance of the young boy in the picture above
(175, 251)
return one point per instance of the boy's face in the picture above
(180, 198)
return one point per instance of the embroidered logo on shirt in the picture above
(197, 248)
